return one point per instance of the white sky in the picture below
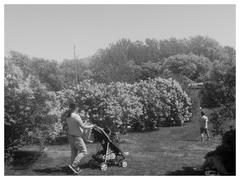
(50, 31)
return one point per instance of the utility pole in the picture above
(76, 69)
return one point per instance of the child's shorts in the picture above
(203, 130)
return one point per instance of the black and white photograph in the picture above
(119, 90)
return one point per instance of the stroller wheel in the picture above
(122, 163)
(211, 173)
(103, 166)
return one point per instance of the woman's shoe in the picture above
(76, 170)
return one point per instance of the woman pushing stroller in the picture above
(76, 129)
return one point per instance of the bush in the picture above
(141, 105)
(220, 92)
(211, 95)
(227, 152)
(31, 112)
(223, 118)
(191, 66)
(220, 89)
(107, 105)
(163, 99)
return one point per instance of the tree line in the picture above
(127, 61)
(31, 85)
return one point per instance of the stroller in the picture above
(107, 152)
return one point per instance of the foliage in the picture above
(223, 118)
(191, 66)
(220, 92)
(227, 151)
(73, 71)
(117, 105)
(128, 61)
(220, 89)
(21, 61)
(163, 101)
(106, 105)
(45, 70)
(211, 95)
(133, 61)
(123, 94)
(31, 112)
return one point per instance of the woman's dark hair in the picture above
(202, 113)
(72, 107)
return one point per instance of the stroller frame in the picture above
(107, 145)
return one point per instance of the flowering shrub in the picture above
(123, 105)
(105, 105)
(163, 101)
(154, 102)
(31, 112)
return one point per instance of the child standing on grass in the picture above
(75, 137)
(204, 126)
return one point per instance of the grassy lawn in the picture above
(169, 151)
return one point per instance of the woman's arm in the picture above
(80, 122)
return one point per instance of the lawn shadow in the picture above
(54, 170)
(24, 159)
(187, 171)
(62, 170)
(192, 140)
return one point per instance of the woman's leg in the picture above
(82, 150)
(74, 151)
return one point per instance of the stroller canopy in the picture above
(102, 137)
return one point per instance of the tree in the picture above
(220, 92)
(205, 46)
(74, 71)
(30, 111)
(220, 89)
(115, 62)
(150, 70)
(173, 46)
(47, 72)
(20, 60)
(192, 66)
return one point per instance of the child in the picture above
(204, 126)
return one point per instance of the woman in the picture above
(75, 137)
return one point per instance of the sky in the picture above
(51, 31)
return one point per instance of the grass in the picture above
(169, 151)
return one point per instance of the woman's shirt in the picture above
(75, 125)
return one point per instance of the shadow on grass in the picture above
(185, 171)
(62, 170)
(24, 159)
(54, 170)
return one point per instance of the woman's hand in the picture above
(92, 125)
